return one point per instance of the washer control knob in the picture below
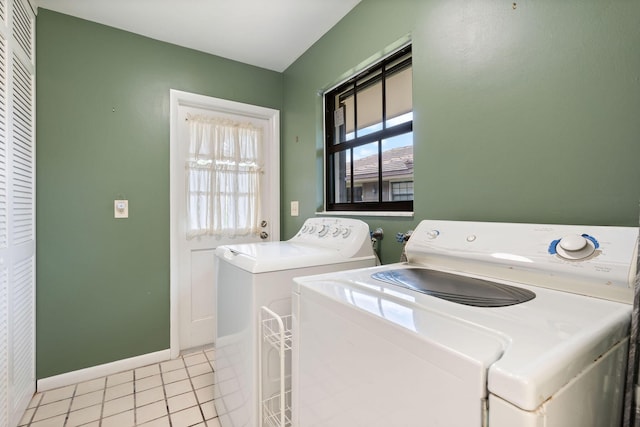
(576, 246)
(345, 232)
(311, 229)
(324, 229)
(432, 234)
(335, 231)
(573, 242)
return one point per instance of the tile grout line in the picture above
(164, 391)
(135, 412)
(73, 395)
(35, 410)
(104, 397)
(196, 394)
(213, 370)
(204, 420)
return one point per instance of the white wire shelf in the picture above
(272, 414)
(276, 330)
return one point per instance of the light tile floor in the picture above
(176, 393)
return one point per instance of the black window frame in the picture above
(332, 148)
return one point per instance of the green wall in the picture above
(103, 133)
(525, 114)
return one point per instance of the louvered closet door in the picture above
(4, 242)
(17, 210)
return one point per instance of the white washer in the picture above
(407, 344)
(250, 276)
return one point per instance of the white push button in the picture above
(471, 238)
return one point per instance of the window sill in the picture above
(367, 213)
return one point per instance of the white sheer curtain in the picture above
(223, 175)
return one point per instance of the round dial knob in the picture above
(432, 234)
(324, 229)
(572, 242)
(335, 231)
(575, 247)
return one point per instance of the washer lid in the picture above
(456, 288)
(548, 340)
(277, 256)
(461, 349)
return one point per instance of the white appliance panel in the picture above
(546, 357)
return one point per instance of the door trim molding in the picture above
(272, 116)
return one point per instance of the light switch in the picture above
(294, 208)
(121, 209)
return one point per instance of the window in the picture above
(223, 177)
(402, 190)
(369, 139)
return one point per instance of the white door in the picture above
(193, 319)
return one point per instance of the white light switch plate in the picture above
(121, 209)
(295, 208)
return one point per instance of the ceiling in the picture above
(269, 34)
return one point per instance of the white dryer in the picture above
(253, 276)
(487, 324)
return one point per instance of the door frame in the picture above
(216, 105)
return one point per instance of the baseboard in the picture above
(98, 371)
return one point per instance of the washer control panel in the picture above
(575, 257)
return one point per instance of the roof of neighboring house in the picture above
(395, 162)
